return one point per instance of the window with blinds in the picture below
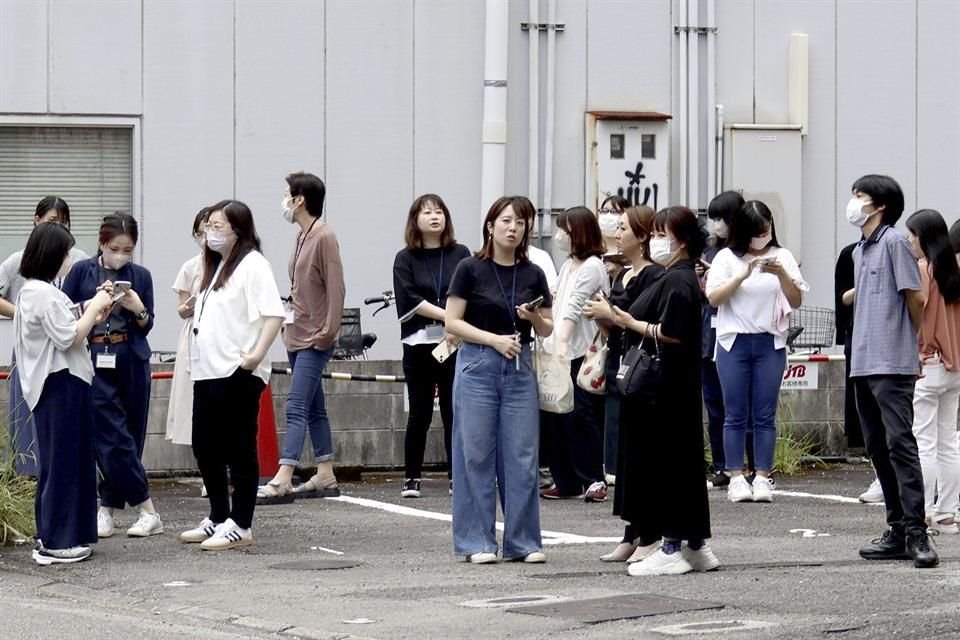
(91, 168)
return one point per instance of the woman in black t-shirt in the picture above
(421, 274)
(492, 307)
(670, 424)
(633, 242)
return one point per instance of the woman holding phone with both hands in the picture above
(496, 413)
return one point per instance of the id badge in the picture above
(106, 361)
(287, 313)
(196, 350)
(434, 331)
(713, 322)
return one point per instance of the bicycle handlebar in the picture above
(374, 300)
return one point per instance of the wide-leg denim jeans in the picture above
(495, 445)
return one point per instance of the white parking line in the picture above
(821, 496)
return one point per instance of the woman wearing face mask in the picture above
(755, 284)
(495, 412)
(237, 317)
(186, 286)
(50, 344)
(22, 434)
(121, 386)
(937, 392)
(421, 275)
(576, 459)
(669, 311)
(608, 217)
(622, 445)
(719, 214)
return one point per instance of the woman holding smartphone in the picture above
(755, 285)
(495, 407)
(121, 357)
(186, 286)
(421, 275)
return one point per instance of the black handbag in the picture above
(640, 371)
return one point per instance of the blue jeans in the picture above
(750, 375)
(495, 445)
(306, 407)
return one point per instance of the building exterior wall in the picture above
(383, 99)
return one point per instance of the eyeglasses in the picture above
(609, 211)
(216, 226)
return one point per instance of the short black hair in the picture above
(45, 252)
(684, 226)
(747, 223)
(885, 192)
(311, 188)
(724, 205)
(200, 219)
(955, 236)
(618, 201)
(57, 204)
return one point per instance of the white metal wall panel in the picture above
(735, 59)
(95, 54)
(571, 103)
(370, 145)
(188, 139)
(515, 182)
(23, 56)
(938, 107)
(448, 40)
(876, 99)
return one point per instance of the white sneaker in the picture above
(537, 557)
(45, 557)
(873, 494)
(227, 536)
(739, 490)
(610, 479)
(104, 524)
(661, 564)
(201, 533)
(937, 524)
(762, 489)
(482, 558)
(148, 524)
(702, 559)
(643, 551)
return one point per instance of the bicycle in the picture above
(352, 343)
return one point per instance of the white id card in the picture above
(287, 313)
(434, 331)
(443, 351)
(106, 361)
(713, 322)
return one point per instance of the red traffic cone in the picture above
(268, 454)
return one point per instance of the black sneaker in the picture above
(890, 546)
(411, 489)
(919, 548)
(720, 480)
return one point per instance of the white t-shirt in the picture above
(228, 321)
(190, 275)
(543, 260)
(754, 306)
(44, 329)
(11, 281)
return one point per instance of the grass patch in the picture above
(792, 452)
(16, 497)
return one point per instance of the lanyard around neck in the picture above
(511, 302)
(296, 253)
(438, 279)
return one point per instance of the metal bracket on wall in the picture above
(694, 30)
(544, 26)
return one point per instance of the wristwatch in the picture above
(142, 315)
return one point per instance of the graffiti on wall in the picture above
(635, 191)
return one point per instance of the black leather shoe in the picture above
(921, 550)
(890, 546)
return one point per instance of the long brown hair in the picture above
(640, 219)
(412, 235)
(584, 231)
(524, 210)
(241, 219)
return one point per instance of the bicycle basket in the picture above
(350, 338)
(812, 328)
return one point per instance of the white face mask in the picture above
(561, 240)
(286, 211)
(115, 261)
(661, 250)
(719, 228)
(761, 242)
(609, 224)
(65, 267)
(217, 240)
(855, 213)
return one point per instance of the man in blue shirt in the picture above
(887, 308)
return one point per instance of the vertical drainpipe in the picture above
(494, 136)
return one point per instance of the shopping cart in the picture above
(811, 328)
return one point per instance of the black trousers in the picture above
(576, 451)
(225, 414)
(885, 404)
(851, 419)
(424, 375)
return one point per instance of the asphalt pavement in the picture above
(790, 569)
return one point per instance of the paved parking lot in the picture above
(790, 570)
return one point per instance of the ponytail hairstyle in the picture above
(934, 240)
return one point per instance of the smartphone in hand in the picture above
(536, 303)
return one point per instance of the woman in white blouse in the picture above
(574, 439)
(755, 284)
(55, 375)
(238, 316)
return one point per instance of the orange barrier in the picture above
(267, 452)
